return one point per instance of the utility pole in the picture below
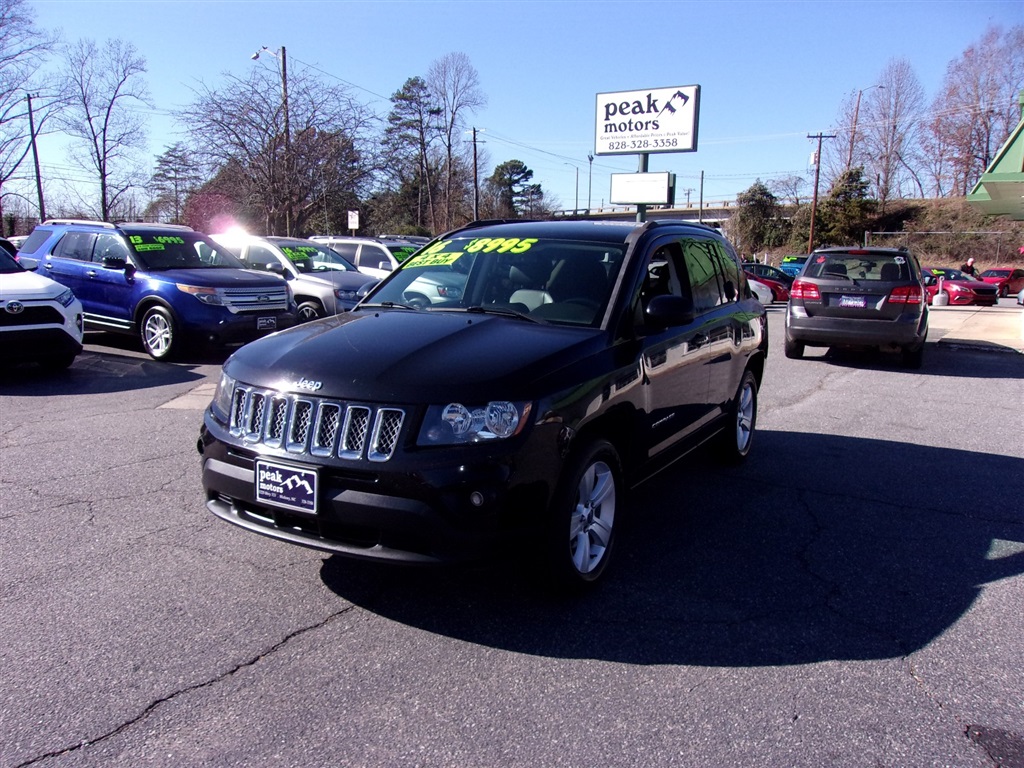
(590, 180)
(476, 182)
(817, 175)
(35, 156)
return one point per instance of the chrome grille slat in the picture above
(304, 425)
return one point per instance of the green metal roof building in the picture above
(1000, 190)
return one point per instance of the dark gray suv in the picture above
(859, 297)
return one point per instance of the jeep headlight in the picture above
(455, 423)
(221, 404)
(206, 295)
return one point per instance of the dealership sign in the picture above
(642, 122)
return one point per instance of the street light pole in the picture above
(853, 131)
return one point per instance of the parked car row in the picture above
(173, 287)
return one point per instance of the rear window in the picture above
(860, 266)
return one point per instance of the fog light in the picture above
(476, 499)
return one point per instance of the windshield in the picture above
(951, 274)
(402, 251)
(308, 256)
(8, 264)
(155, 251)
(558, 281)
(996, 273)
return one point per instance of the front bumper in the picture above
(234, 329)
(430, 507)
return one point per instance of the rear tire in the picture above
(913, 358)
(158, 332)
(735, 440)
(793, 349)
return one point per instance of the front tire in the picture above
(310, 310)
(159, 333)
(581, 530)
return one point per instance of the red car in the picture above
(961, 289)
(1007, 280)
(779, 291)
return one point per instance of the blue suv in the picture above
(169, 284)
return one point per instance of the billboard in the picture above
(648, 121)
(643, 188)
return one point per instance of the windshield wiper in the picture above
(390, 305)
(505, 312)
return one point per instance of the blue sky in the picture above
(770, 72)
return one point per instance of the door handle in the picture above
(91, 273)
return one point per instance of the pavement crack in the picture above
(152, 706)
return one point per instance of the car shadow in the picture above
(859, 555)
(96, 372)
(939, 360)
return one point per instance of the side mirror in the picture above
(929, 280)
(669, 310)
(114, 262)
(730, 290)
(386, 265)
(29, 263)
(276, 267)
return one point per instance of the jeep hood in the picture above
(406, 356)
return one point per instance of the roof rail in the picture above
(92, 222)
(183, 227)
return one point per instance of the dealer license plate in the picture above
(282, 485)
(266, 323)
(852, 301)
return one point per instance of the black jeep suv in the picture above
(577, 359)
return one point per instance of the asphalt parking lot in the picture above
(852, 596)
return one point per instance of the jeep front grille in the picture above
(316, 427)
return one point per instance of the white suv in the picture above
(40, 320)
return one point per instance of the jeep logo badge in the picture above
(309, 385)
(15, 307)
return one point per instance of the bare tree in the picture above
(104, 88)
(22, 50)
(977, 107)
(237, 130)
(455, 87)
(890, 127)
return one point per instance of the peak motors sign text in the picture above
(654, 120)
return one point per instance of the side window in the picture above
(75, 245)
(348, 250)
(259, 257)
(728, 268)
(109, 246)
(702, 274)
